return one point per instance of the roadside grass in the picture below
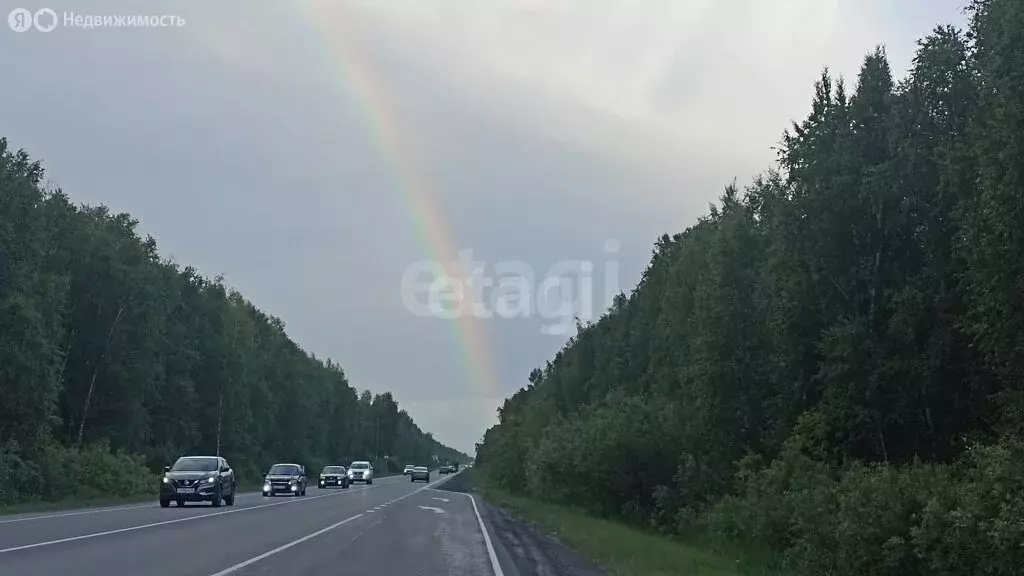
(625, 551)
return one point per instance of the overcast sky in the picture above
(312, 152)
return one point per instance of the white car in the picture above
(361, 471)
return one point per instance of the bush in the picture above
(915, 519)
(58, 473)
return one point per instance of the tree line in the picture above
(114, 362)
(829, 365)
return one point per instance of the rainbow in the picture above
(358, 81)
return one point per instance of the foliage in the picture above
(829, 363)
(114, 362)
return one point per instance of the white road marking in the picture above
(99, 510)
(441, 499)
(495, 565)
(255, 559)
(176, 520)
(436, 510)
(122, 508)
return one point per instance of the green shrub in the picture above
(58, 473)
(914, 519)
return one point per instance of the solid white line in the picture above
(385, 480)
(131, 507)
(175, 521)
(100, 510)
(495, 565)
(255, 559)
(79, 513)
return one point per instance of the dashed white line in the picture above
(255, 559)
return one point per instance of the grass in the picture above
(78, 502)
(625, 551)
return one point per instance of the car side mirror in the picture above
(225, 469)
(167, 468)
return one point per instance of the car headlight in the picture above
(211, 479)
(167, 480)
(266, 487)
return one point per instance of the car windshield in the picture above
(334, 470)
(360, 466)
(195, 465)
(284, 469)
(420, 469)
(409, 466)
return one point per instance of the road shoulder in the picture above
(522, 548)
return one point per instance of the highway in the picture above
(393, 526)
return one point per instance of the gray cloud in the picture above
(241, 144)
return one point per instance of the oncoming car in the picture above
(285, 478)
(361, 471)
(420, 473)
(198, 479)
(334, 476)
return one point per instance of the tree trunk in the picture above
(95, 370)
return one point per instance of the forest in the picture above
(114, 362)
(829, 364)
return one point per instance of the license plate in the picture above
(186, 490)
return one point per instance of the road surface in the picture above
(390, 527)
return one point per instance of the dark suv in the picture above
(334, 476)
(285, 478)
(198, 479)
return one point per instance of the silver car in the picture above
(361, 471)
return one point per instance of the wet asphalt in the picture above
(392, 526)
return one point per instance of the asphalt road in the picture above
(393, 526)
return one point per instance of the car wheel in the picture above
(165, 503)
(230, 500)
(266, 494)
(180, 503)
(216, 499)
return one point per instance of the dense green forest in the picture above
(113, 363)
(830, 364)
